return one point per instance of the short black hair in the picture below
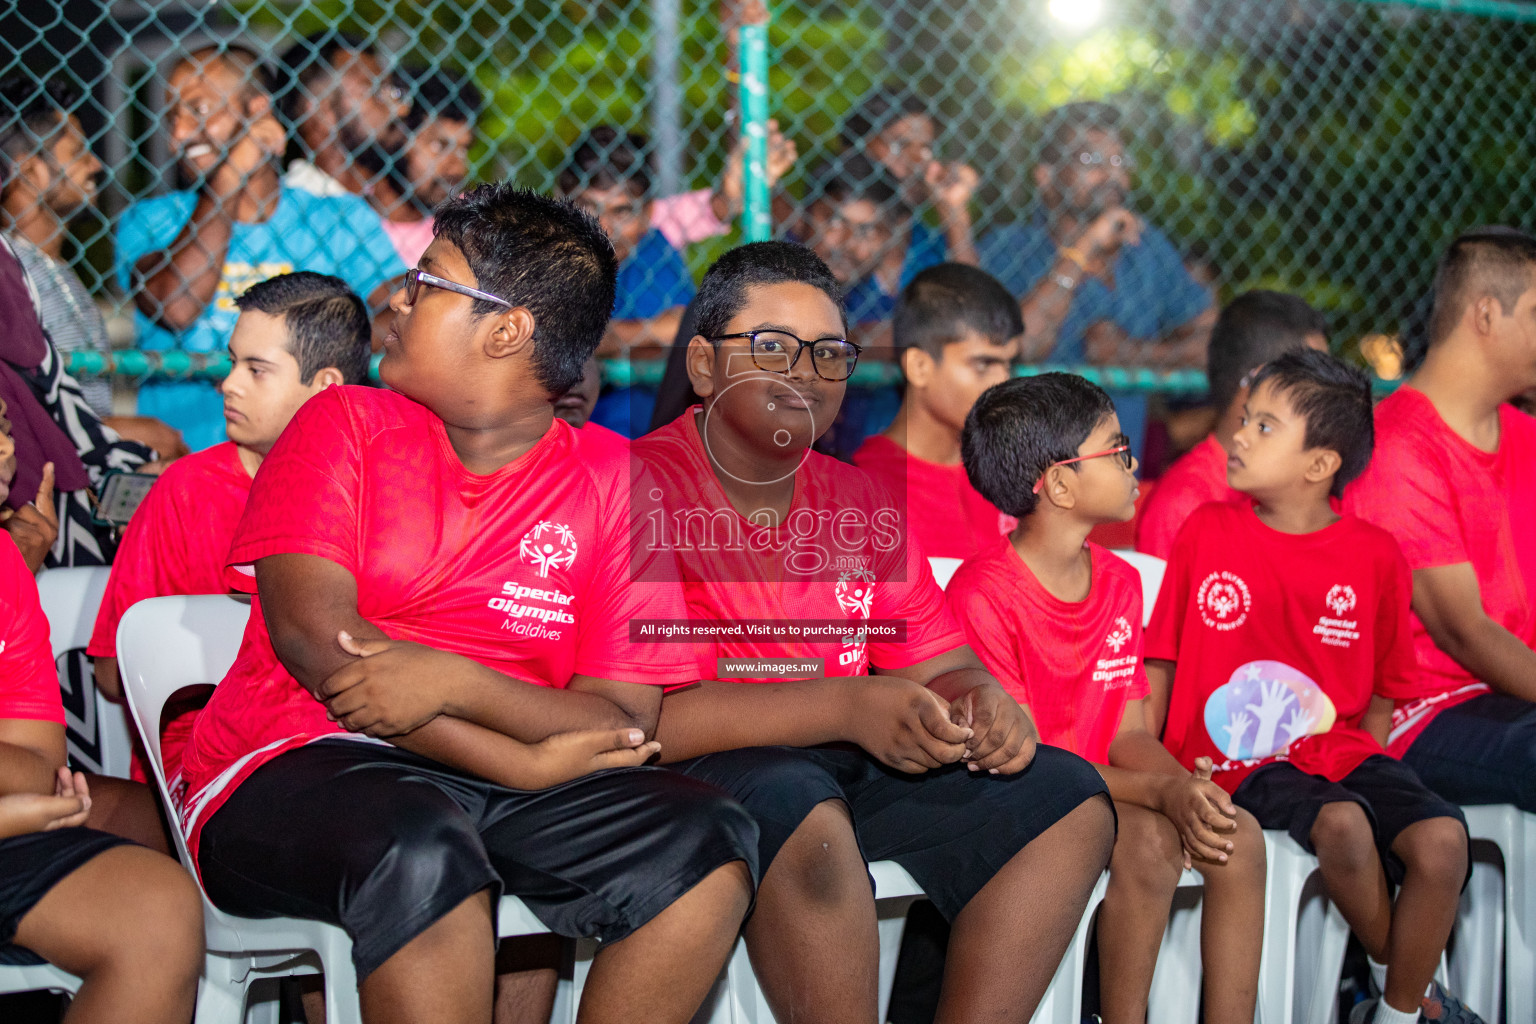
(723, 292)
(1252, 329)
(255, 77)
(944, 302)
(607, 157)
(33, 110)
(1334, 399)
(1493, 260)
(1018, 428)
(877, 110)
(436, 92)
(1062, 130)
(546, 255)
(852, 177)
(306, 62)
(327, 323)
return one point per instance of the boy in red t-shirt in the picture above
(127, 920)
(849, 716)
(1282, 633)
(441, 567)
(1253, 328)
(1057, 619)
(297, 335)
(956, 332)
(1454, 480)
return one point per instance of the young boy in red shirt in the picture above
(848, 716)
(1253, 328)
(1454, 480)
(956, 332)
(297, 335)
(441, 566)
(1057, 619)
(1277, 622)
(126, 920)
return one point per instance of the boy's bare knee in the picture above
(817, 862)
(1342, 833)
(1148, 853)
(1435, 849)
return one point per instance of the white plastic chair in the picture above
(1495, 937)
(1151, 569)
(168, 643)
(943, 569)
(100, 737)
(1304, 938)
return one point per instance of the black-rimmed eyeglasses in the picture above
(778, 351)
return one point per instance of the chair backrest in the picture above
(165, 644)
(97, 730)
(1151, 568)
(944, 569)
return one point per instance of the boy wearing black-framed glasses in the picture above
(841, 705)
(1058, 620)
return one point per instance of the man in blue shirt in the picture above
(1096, 283)
(184, 257)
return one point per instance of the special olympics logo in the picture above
(1224, 601)
(549, 546)
(1120, 635)
(1341, 598)
(855, 592)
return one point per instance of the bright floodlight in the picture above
(1076, 13)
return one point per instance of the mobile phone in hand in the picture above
(120, 496)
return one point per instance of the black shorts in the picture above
(1282, 796)
(384, 843)
(950, 828)
(30, 866)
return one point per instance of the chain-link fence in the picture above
(1325, 147)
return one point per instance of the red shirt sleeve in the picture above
(304, 499)
(1396, 666)
(989, 632)
(29, 684)
(1406, 492)
(604, 649)
(931, 629)
(1167, 624)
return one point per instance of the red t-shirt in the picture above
(1280, 640)
(524, 570)
(840, 563)
(1076, 664)
(1198, 476)
(949, 517)
(601, 433)
(29, 683)
(177, 543)
(1448, 502)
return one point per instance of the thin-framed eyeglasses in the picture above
(1094, 158)
(1123, 450)
(778, 351)
(414, 279)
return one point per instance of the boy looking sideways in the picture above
(957, 332)
(899, 744)
(1057, 619)
(1282, 630)
(441, 566)
(297, 335)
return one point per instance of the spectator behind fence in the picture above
(1279, 640)
(895, 131)
(445, 567)
(184, 257)
(957, 333)
(48, 176)
(1058, 620)
(1096, 283)
(346, 112)
(1454, 480)
(854, 220)
(434, 164)
(845, 765)
(1252, 329)
(297, 335)
(51, 513)
(126, 920)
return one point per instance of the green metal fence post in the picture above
(757, 221)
